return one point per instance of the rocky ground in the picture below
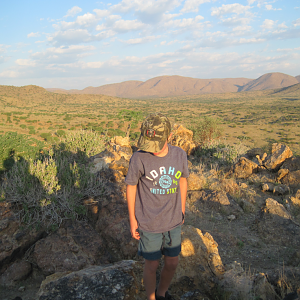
(248, 245)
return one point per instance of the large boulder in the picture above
(183, 138)
(244, 168)
(292, 179)
(239, 284)
(119, 281)
(291, 164)
(113, 226)
(71, 248)
(275, 224)
(279, 154)
(116, 157)
(14, 239)
(17, 271)
(199, 259)
(195, 182)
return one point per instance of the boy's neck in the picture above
(164, 151)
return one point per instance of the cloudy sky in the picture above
(75, 44)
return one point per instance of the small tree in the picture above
(206, 129)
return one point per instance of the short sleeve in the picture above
(185, 170)
(135, 170)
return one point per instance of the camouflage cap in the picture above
(155, 131)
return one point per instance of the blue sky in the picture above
(75, 44)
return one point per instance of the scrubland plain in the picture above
(255, 118)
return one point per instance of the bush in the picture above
(113, 132)
(130, 115)
(60, 132)
(220, 153)
(50, 189)
(15, 146)
(206, 130)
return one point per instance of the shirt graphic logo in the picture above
(165, 181)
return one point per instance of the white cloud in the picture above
(10, 74)
(73, 11)
(59, 56)
(3, 48)
(288, 49)
(86, 20)
(4, 59)
(268, 24)
(94, 65)
(33, 34)
(101, 13)
(296, 23)
(151, 11)
(225, 9)
(192, 5)
(235, 20)
(128, 25)
(270, 7)
(251, 41)
(142, 40)
(242, 29)
(184, 23)
(25, 62)
(282, 25)
(77, 36)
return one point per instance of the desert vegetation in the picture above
(48, 139)
(255, 118)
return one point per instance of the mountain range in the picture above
(165, 86)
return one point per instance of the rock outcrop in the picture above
(279, 154)
(119, 281)
(276, 223)
(200, 259)
(244, 168)
(183, 138)
(73, 247)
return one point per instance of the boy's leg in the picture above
(149, 277)
(167, 273)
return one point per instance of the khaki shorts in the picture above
(153, 245)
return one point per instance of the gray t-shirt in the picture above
(158, 200)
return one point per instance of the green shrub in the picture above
(206, 129)
(83, 141)
(46, 136)
(134, 135)
(114, 132)
(15, 146)
(60, 132)
(51, 188)
(218, 152)
(130, 115)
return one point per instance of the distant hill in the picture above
(165, 86)
(290, 91)
(270, 81)
(298, 78)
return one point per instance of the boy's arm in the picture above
(183, 192)
(130, 194)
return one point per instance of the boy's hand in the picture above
(133, 229)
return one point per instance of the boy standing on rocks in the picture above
(156, 196)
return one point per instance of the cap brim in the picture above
(150, 145)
